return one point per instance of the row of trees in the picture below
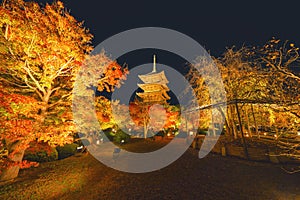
(262, 86)
(155, 117)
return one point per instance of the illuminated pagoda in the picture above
(154, 86)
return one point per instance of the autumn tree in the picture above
(42, 49)
(139, 113)
(281, 59)
(243, 83)
(97, 73)
(155, 117)
(204, 79)
(279, 56)
(111, 113)
(172, 121)
(254, 82)
(263, 81)
(17, 123)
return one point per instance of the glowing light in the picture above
(247, 135)
(265, 134)
(168, 134)
(191, 133)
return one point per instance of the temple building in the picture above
(154, 86)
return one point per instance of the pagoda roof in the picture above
(153, 96)
(154, 77)
(153, 87)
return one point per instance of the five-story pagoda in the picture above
(155, 90)
(154, 87)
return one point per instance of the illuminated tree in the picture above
(140, 115)
(279, 56)
(41, 52)
(172, 117)
(202, 77)
(103, 109)
(17, 123)
(260, 81)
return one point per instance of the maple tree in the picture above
(98, 73)
(108, 119)
(42, 49)
(140, 115)
(17, 114)
(172, 117)
(155, 117)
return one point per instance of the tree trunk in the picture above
(230, 127)
(145, 128)
(12, 172)
(242, 132)
(253, 115)
(225, 120)
(248, 122)
(234, 129)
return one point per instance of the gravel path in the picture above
(213, 177)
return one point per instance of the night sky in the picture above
(214, 24)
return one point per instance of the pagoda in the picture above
(154, 87)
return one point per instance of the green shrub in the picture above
(40, 152)
(67, 150)
(202, 131)
(120, 135)
(109, 135)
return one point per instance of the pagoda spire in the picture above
(154, 63)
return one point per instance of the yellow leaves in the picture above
(273, 57)
(272, 117)
(274, 40)
(60, 4)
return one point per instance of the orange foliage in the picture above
(17, 126)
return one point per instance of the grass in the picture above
(139, 145)
(49, 180)
(53, 180)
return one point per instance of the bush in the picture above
(66, 150)
(40, 152)
(202, 131)
(120, 135)
(160, 133)
(109, 135)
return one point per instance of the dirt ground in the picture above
(213, 177)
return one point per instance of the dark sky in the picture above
(214, 24)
